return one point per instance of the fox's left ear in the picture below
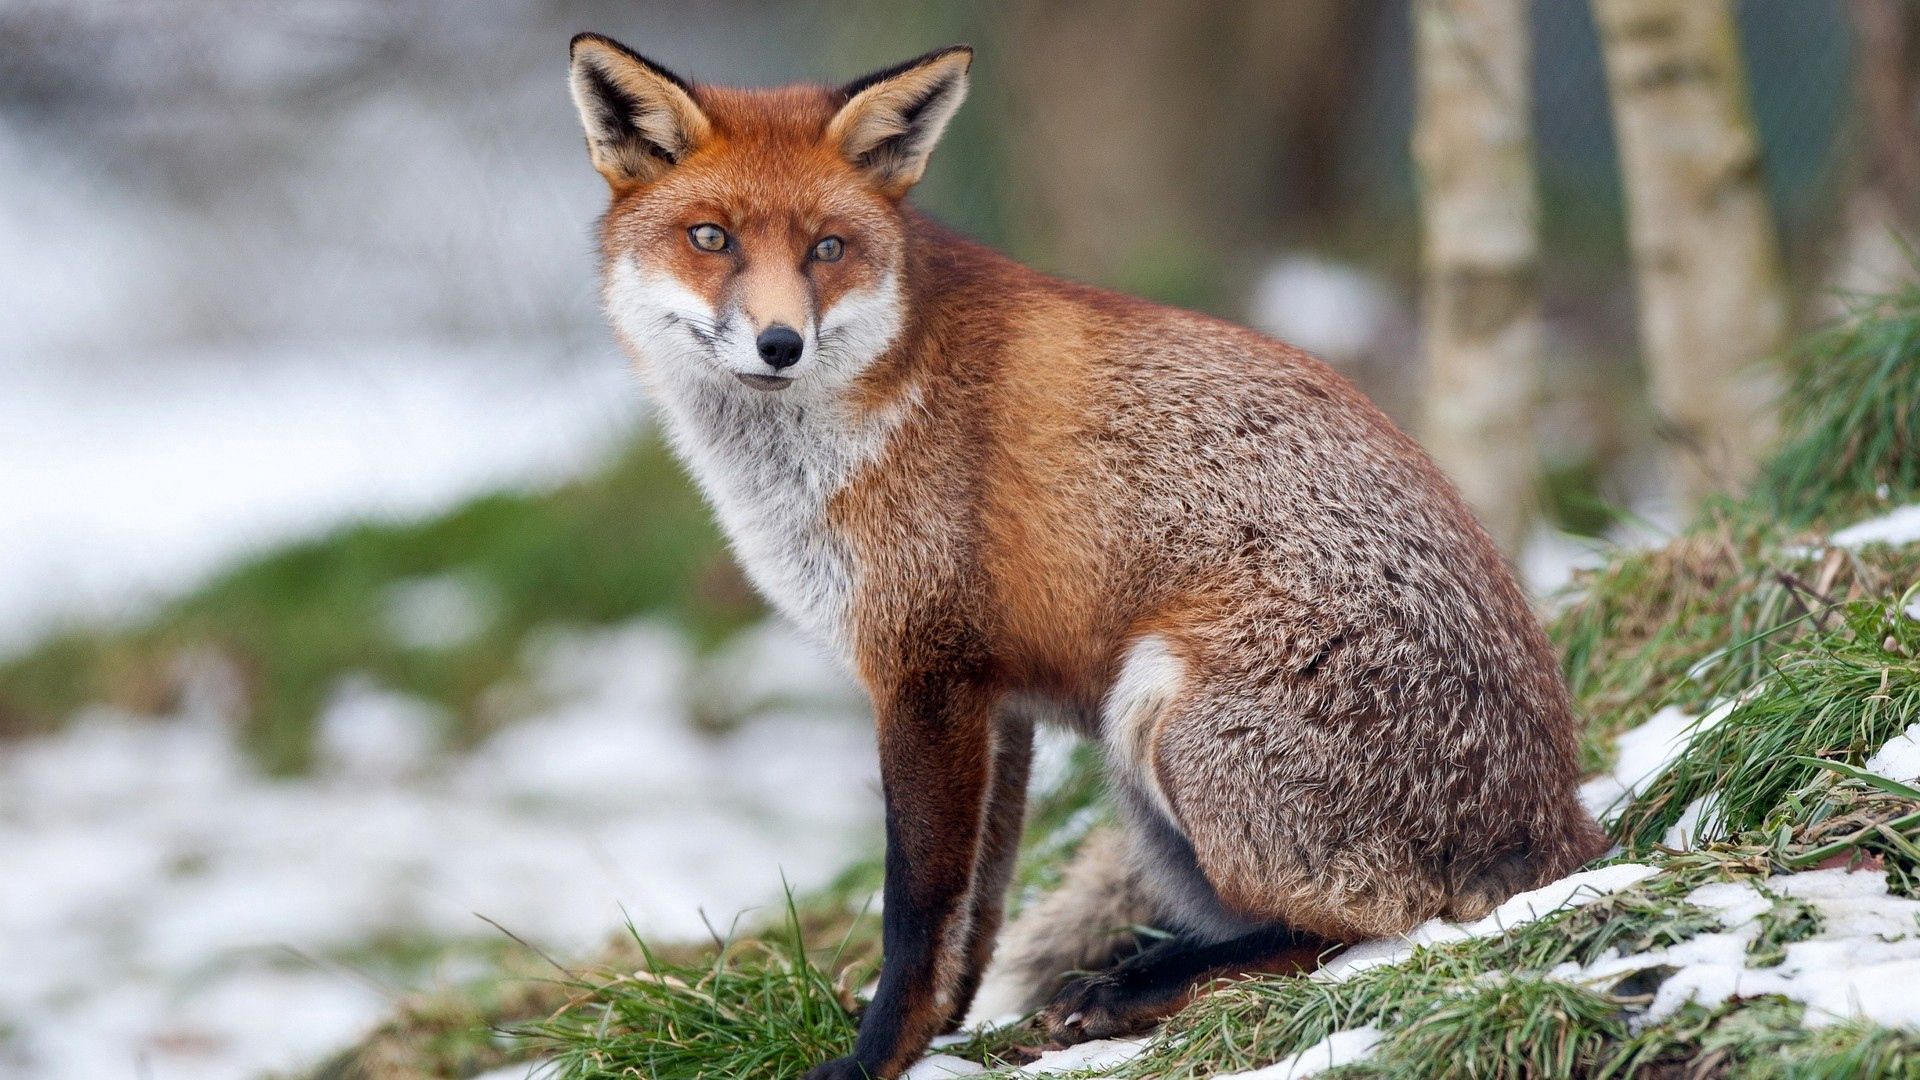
(893, 118)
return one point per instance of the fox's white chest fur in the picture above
(771, 465)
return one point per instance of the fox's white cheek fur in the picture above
(672, 329)
(861, 327)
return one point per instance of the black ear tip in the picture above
(603, 42)
(573, 46)
(963, 52)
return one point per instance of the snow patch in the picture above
(1699, 823)
(442, 611)
(1340, 1048)
(1901, 526)
(523, 1071)
(940, 1066)
(1642, 753)
(145, 476)
(164, 908)
(1899, 759)
(1862, 964)
(1575, 890)
(1550, 558)
(1335, 312)
(1094, 1054)
(368, 732)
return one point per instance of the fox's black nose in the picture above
(779, 346)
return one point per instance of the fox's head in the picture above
(757, 235)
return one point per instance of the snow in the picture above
(1335, 312)
(1901, 526)
(141, 478)
(1550, 558)
(1093, 1054)
(1861, 964)
(366, 732)
(1575, 890)
(1699, 823)
(510, 1072)
(163, 904)
(1899, 759)
(939, 1066)
(1642, 753)
(1340, 1048)
(439, 611)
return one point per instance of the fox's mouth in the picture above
(764, 382)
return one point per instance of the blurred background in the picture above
(347, 600)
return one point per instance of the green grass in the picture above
(632, 540)
(1838, 696)
(1520, 1027)
(1851, 416)
(758, 1009)
(1685, 623)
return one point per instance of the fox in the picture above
(1326, 710)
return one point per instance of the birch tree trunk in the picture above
(1480, 248)
(1706, 258)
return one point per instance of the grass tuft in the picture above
(1704, 616)
(1839, 695)
(758, 1009)
(1851, 416)
(1520, 1027)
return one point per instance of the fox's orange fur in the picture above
(1003, 498)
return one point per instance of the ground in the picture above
(1752, 686)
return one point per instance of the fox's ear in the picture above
(893, 118)
(641, 119)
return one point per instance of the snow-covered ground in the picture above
(127, 481)
(165, 912)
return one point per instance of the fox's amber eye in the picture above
(829, 250)
(708, 237)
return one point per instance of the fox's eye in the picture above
(708, 237)
(829, 250)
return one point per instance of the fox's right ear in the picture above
(891, 119)
(641, 119)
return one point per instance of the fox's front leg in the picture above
(936, 766)
(1006, 816)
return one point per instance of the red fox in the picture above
(1326, 709)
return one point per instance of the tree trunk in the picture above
(1882, 216)
(1474, 152)
(1706, 257)
(1147, 133)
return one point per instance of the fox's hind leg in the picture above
(1208, 940)
(1084, 925)
(1160, 980)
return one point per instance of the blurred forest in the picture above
(178, 174)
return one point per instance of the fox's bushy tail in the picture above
(1083, 925)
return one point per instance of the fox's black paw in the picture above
(845, 1068)
(1098, 1007)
